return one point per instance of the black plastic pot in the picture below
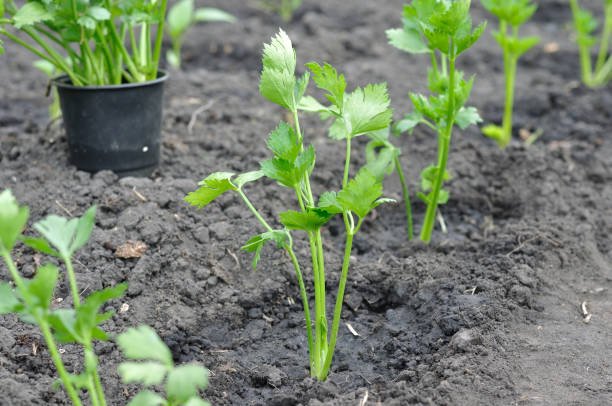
(116, 127)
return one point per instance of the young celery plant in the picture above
(585, 25)
(87, 40)
(361, 112)
(32, 299)
(182, 16)
(442, 29)
(284, 8)
(182, 383)
(512, 14)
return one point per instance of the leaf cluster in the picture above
(154, 365)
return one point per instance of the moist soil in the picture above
(489, 313)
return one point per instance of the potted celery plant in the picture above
(111, 93)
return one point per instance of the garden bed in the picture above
(489, 313)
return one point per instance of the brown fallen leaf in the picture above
(131, 249)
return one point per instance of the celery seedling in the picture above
(182, 16)
(182, 383)
(32, 299)
(284, 8)
(585, 25)
(512, 14)
(442, 29)
(361, 112)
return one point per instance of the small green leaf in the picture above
(147, 398)
(327, 78)
(179, 18)
(429, 175)
(466, 117)
(283, 142)
(147, 373)
(408, 123)
(212, 187)
(213, 14)
(360, 193)
(43, 284)
(98, 13)
(143, 343)
(311, 220)
(87, 314)
(64, 323)
(12, 220)
(8, 300)
(185, 381)
(247, 177)
(329, 203)
(32, 13)
(278, 82)
(408, 40)
(87, 22)
(367, 109)
(256, 243)
(311, 105)
(45, 66)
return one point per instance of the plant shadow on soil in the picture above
(487, 314)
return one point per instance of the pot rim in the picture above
(63, 81)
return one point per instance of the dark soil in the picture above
(487, 314)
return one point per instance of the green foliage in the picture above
(585, 24)
(284, 8)
(181, 17)
(12, 221)
(155, 364)
(444, 30)
(32, 301)
(48, 68)
(363, 111)
(512, 14)
(86, 39)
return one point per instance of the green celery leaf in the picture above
(213, 14)
(212, 187)
(64, 322)
(147, 398)
(408, 123)
(143, 343)
(87, 22)
(87, 313)
(256, 243)
(281, 171)
(80, 381)
(185, 381)
(311, 105)
(466, 117)
(327, 78)
(407, 39)
(428, 177)
(329, 203)
(12, 220)
(42, 285)
(466, 41)
(147, 373)
(8, 300)
(180, 17)
(367, 109)
(380, 158)
(32, 13)
(311, 220)
(283, 142)
(173, 58)
(66, 235)
(360, 193)
(247, 177)
(278, 82)
(98, 13)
